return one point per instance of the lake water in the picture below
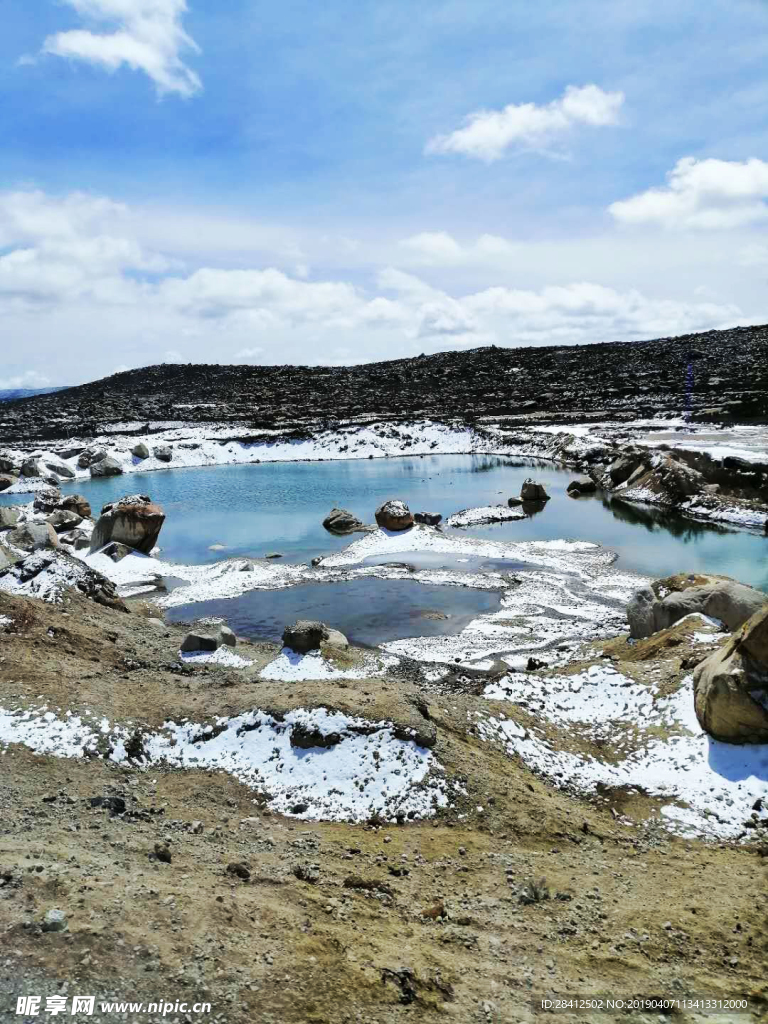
(368, 611)
(279, 507)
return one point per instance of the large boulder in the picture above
(533, 491)
(730, 687)
(428, 518)
(105, 467)
(76, 503)
(394, 515)
(664, 602)
(49, 574)
(33, 537)
(163, 453)
(47, 499)
(9, 517)
(6, 463)
(134, 520)
(307, 635)
(622, 468)
(6, 482)
(668, 478)
(339, 520)
(140, 451)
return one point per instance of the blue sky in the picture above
(247, 181)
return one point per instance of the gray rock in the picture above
(428, 518)
(6, 482)
(227, 637)
(60, 468)
(6, 463)
(163, 453)
(55, 921)
(584, 485)
(62, 521)
(33, 537)
(140, 451)
(9, 517)
(199, 642)
(31, 467)
(667, 601)
(340, 520)
(106, 467)
(394, 515)
(305, 635)
(533, 491)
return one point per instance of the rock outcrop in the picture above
(427, 518)
(134, 520)
(49, 574)
(731, 686)
(394, 515)
(664, 602)
(584, 485)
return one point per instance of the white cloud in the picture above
(486, 134)
(438, 248)
(31, 379)
(147, 36)
(78, 287)
(700, 195)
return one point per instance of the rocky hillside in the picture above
(717, 376)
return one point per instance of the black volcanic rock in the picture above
(718, 376)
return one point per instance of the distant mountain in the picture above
(716, 376)
(11, 394)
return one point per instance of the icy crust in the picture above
(545, 613)
(359, 768)
(653, 744)
(485, 514)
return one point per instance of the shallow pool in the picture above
(368, 611)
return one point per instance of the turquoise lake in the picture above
(279, 507)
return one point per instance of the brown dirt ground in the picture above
(440, 934)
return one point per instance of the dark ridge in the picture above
(14, 394)
(717, 376)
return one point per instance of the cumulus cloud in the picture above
(702, 195)
(147, 35)
(71, 271)
(487, 134)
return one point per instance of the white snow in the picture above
(364, 769)
(485, 514)
(223, 655)
(291, 666)
(711, 786)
